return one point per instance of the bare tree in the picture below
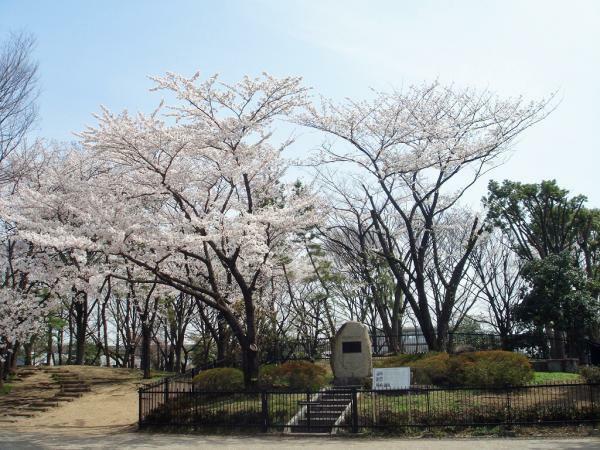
(422, 149)
(351, 239)
(18, 94)
(497, 273)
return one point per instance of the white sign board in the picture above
(391, 378)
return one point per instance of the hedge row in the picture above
(494, 368)
(295, 375)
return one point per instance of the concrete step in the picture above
(323, 414)
(45, 404)
(68, 394)
(71, 383)
(311, 430)
(320, 419)
(35, 408)
(316, 426)
(58, 398)
(21, 414)
(330, 404)
(76, 389)
(335, 399)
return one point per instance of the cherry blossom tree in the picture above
(191, 195)
(28, 275)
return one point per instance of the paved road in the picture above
(100, 439)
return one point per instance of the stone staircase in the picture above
(323, 412)
(71, 385)
(37, 389)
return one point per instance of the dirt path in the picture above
(105, 406)
(112, 402)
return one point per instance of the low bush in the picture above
(401, 360)
(270, 377)
(297, 375)
(590, 374)
(433, 369)
(220, 379)
(493, 368)
(426, 368)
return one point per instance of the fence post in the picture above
(308, 411)
(508, 410)
(354, 411)
(139, 408)
(592, 406)
(166, 399)
(428, 411)
(265, 410)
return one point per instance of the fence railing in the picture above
(179, 404)
(166, 385)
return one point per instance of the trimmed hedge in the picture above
(493, 368)
(590, 374)
(220, 379)
(296, 375)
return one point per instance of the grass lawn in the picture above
(238, 409)
(5, 389)
(555, 377)
(160, 374)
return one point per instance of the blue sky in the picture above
(100, 52)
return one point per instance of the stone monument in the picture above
(351, 359)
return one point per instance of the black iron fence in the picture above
(176, 403)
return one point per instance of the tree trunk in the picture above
(145, 360)
(105, 335)
(178, 351)
(221, 339)
(27, 350)
(12, 361)
(505, 341)
(557, 343)
(49, 352)
(81, 328)
(169, 350)
(250, 365)
(71, 333)
(2, 371)
(59, 345)
(443, 337)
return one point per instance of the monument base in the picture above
(349, 381)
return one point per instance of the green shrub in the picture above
(590, 374)
(493, 368)
(426, 368)
(401, 360)
(432, 369)
(297, 375)
(220, 379)
(270, 377)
